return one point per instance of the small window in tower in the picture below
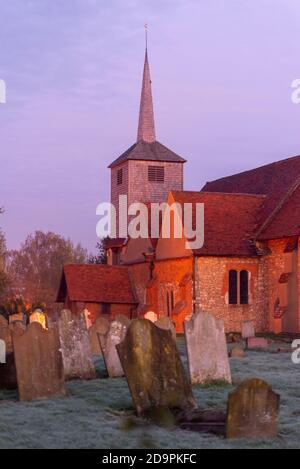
(105, 308)
(120, 176)
(233, 281)
(156, 173)
(244, 287)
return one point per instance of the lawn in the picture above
(96, 414)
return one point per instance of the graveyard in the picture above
(100, 412)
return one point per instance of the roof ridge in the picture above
(278, 207)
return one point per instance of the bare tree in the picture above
(35, 269)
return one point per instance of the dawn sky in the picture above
(221, 76)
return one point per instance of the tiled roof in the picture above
(154, 151)
(230, 221)
(276, 181)
(96, 283)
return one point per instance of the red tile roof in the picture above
(276, 181)
(286, 222)
(230, 221)
(96, 283)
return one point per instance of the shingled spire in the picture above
(146, 130)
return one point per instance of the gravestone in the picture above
(206, 349)
(247, 328)
(38, 362)
(109, 341)
(17, 317)
(75, 346)
(252, 411)
(151, 316)
(257, 342)
(8, 374)
(40, 317)
(166, 324)
(5, 334)
(153, 369)
(2, 351)
(100, 326)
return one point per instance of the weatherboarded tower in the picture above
(148, 170)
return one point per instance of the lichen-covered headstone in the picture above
(75, 346)
(247, 328)
(151, 316)
(38, 362)
(153, 369)
(100, 326)
(165, 323)
(109, 341)
(252, 411)
(206, 349)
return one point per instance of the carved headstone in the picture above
(154, 371)
(109, 341)
(206, 349)
(164, 322)
(75, 346)
(247, 328)
(38, 362)
(252, 411)
(100, 326)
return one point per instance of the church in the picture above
(248, 267)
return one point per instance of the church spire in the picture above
(146, 129)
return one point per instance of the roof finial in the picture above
(146, 129)
(146, 35)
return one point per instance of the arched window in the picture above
(233, 280)
(244, 288)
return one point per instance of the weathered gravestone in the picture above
(206, 349)
(2, 351)
(154, 372)
(100, 326)
(166, 324)
(75, 346)
(257, 342)
(252, 411)
(38, 362)
(40, 317)
(5, 334)
(247, 328)
(109, 341)
(151, 316)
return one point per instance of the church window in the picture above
(233, 281)
(244, 287)
(120, 176)
(156, 173)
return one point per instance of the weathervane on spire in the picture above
(146, 34)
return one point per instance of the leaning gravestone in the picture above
(100, 326)
(165, 323)
(206, 349)
(252, 411)
(39, 362)
(109, 341)
(154, 371)
(247, 328)
(75, 346)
